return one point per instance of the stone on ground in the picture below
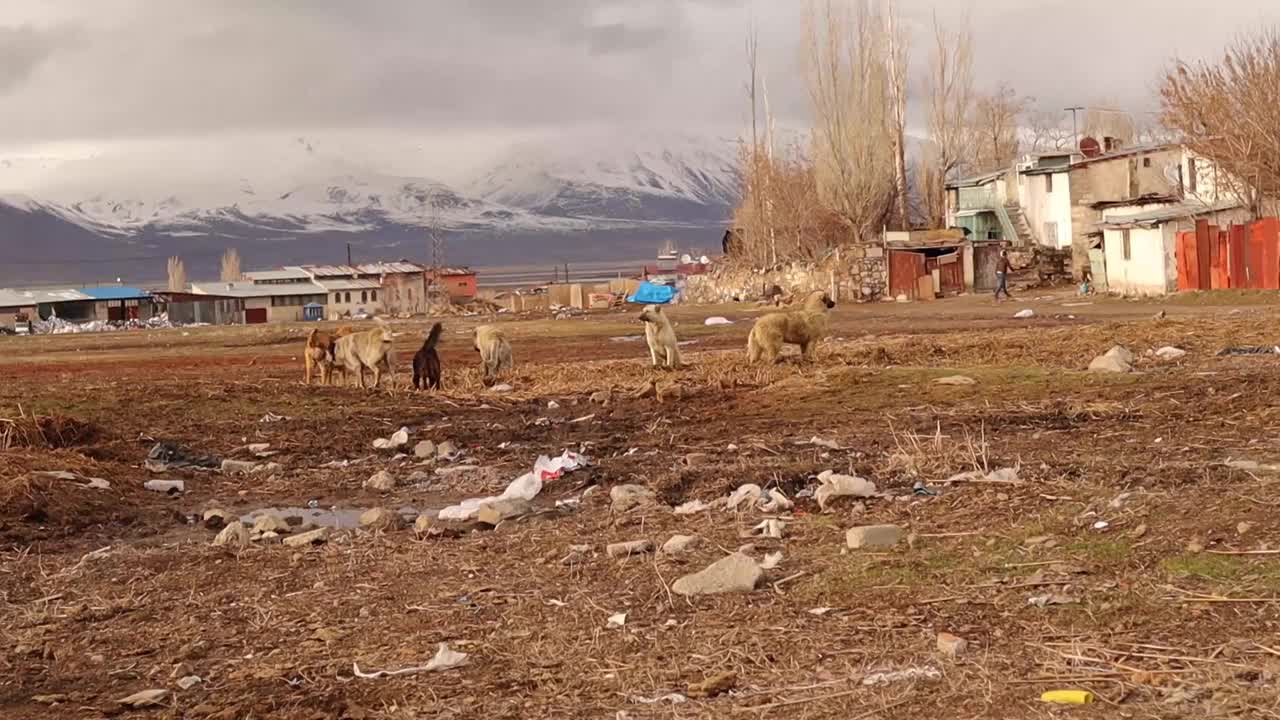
(494, 512)
(1170, 353)
(1024, 314)
(424, 450)
(951, 645)
(873, 536)
(680, 544)
(381, 519)
(602, 397)
(955, 380)
(238, 467)
(627, 549)
(270, 522)
(1109, 364)
(315, 537)
(628, 497)
(732, 574)
(235, 535)
(215, 518)
(381, 481)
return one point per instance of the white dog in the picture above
(495, 351)
(368, 350)
(661, 337)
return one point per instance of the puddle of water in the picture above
(336, 518)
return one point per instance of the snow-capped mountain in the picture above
(674, 178)
(303, 197)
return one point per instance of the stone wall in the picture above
(856, 273)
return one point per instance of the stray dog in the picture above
(805, 327)
(426, 362)
(661, 337)
(368, 350)
(495, 351)
(319, 353)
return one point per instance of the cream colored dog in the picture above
(495, 351)
(805, 327)
(368, 350)
(663, 348)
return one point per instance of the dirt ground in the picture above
(1134, 556)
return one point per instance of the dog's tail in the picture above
(433, 337)
(311, 336)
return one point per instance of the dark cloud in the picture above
(23, 49)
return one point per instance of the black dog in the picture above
(426, 362)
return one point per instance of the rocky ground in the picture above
(949, 514)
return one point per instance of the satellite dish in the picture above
(1090, 147)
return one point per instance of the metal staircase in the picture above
(1014, 225)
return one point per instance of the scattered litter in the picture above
(553, 405)
(1170, 353)
(749, 493)
(822, 442)
(820, 611)
(1273, 350)
(617, 620)
(770, 529)
(501, 389)
(1003, 476)
(918, 488)
(774, 501)
(1101, 525)
(673, 698)
(146, 698)
(525, 487)
(166, 456)
(1067, 697)
(627, 338)
(398, 439)
(445, 659)
(834, 485)
(1048, 599)
(771, 561)
(1024, 314)
(582, 419)
(272, 418)
(168, 487)
(717, 320)
(693, 507)
(885, 678)
(955, 380)
(87, 482)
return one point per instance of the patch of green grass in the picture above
(854, 574)
(1101, 551)
(1224, 569)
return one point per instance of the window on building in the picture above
(337, 297)
(1191, 175)
(1124, 240)
(348, 297)
(364, 296)
(1051, 234)
(1146, 162)
(373, 295)
(1048, 183)
(409, 292)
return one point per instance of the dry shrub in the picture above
(45, 431)
(937, 456)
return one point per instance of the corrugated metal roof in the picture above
(374, 268)
(249, 290)
(116, 293)
(976, 180)
(1164, 214)
(287, 273)
(332, 284)
(27, 298)
(1126, 152)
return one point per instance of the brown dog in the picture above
(319, 352)
(805, 327)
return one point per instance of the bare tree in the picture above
(177, 275)
(996, 122)
(949, 88)
(852, 137)
(1104, 119)
(898, 54)
(231, 271)
(1048, 131)
(1229, 111)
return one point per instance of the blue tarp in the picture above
(650, 294)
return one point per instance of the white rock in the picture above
(735, 573)
(748, 495)
(381, 519)
(1120, 353)
(873, 536)
(270, 522)
(1024, 314)
(381, 481)
(238, 467)
(501, 389)
(315, 537)
(189, 681)
(955, 380)
(146, 698)
(1109, 364)
(235, 535)
(495, 511)
(717, 320)
(169, 487)
(1170, 353)
(680, 544)
(424, 450)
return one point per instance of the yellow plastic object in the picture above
(1067, 697)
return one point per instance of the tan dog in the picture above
(805, 327)
(495, 351)
(368, 350)
(664, 350)
(319, 353)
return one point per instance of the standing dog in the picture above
(495, 351)
(805, 327)
(319, 353)
(663, 348)
(426, 362)
(368, 350)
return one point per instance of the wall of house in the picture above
(860, 273)
(459, 287)
(1110, 180)
(403, 293)
(1041, 207)
(1146, 271)
(337, 306)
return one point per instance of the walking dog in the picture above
(664, 351)
(319, 353)
(368, 350)
(495, 351)
(426, 362)
(805, 327)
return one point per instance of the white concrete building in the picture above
(1044, 194)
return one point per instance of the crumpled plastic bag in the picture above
(525, 487)
(834, 485)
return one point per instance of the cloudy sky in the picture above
(463, 77)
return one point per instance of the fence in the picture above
(1237, 256)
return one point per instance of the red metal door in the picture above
(952, 273)
(254, 316)
(905, 270)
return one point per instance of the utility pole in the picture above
(1075, 128)
(348, 254)
(566, 272)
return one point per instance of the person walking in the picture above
(1003, 268)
